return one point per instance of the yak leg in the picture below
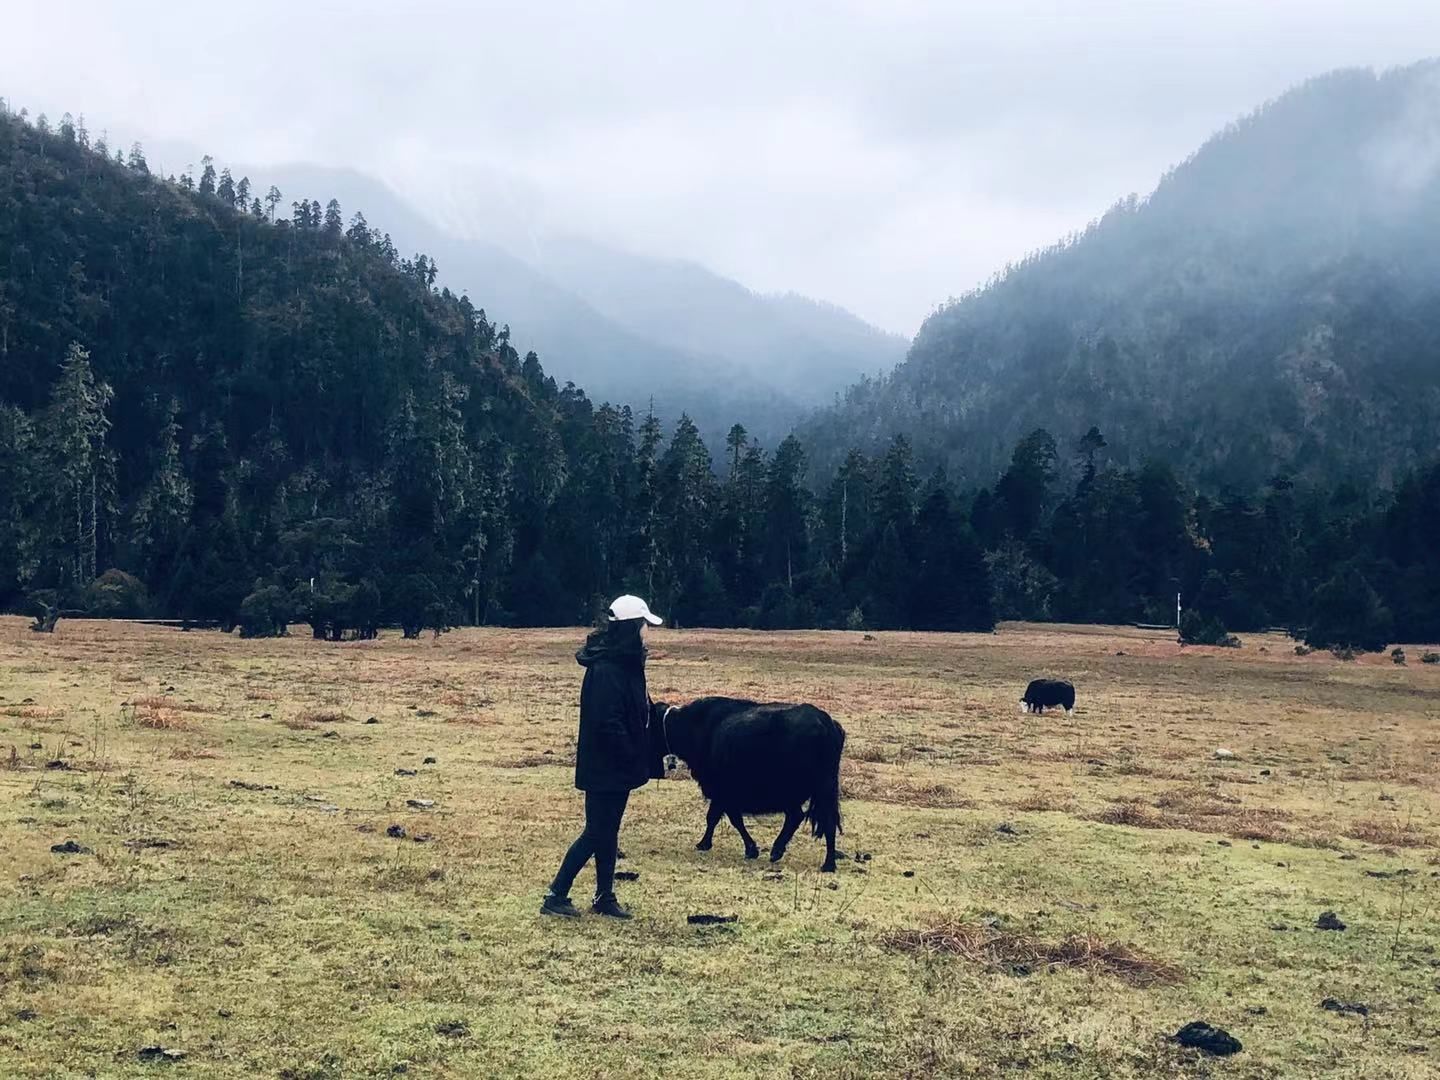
(792, 822)
(829, 865)
(712, 818)
(752, 850)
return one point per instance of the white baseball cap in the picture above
(632, 607)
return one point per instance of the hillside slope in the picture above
(1274, 306)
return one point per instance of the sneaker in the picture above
(559, 905)
(608, 905)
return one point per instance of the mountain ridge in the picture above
(1270, 293)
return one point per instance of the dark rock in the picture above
(396, 832)
(371, 720)
(907, 873)
(331, 735)
(1387, 798)
(246, 785)
(26, 1014)
(422, 838)
(1332, 1005)
(452, 1029)
(159, 1054)
(862, 856)
(710, 920)
(1257, 1010)
(1006, 829)
(37, 746)
(429, 761)
(264, 716)
(1223, 843)
(58, 765)
(1264, 772)
(1348, 857)
(405, 772)
(1198, 1035)
(1328, 920)
(69, 847)
(627, 875)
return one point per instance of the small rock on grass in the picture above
(1328, 920)
(371, 720)
(420, 804)
(627, 875)
(1224, 755)
(452, 1029)
(1335, 1006)
(1005, 829)
(396, 832)
(69, 847)
(159, 1054)
(405, 772)
(710, 920)
(429, 761)
(1199, 1035)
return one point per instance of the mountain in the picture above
(1272, 307)
(212, 411)
(807, 350)
(638, 331)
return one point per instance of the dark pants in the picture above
(600, 838)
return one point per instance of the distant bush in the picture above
(117, 595)
(1347, 615)
(1303, 650)
(266, 612)
(855, 620)
(1199, 629)
(1430, 658)
(1397, 655)
(1342, 654)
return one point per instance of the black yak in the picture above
(752, 758)
(1042, 693)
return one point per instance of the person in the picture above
(612, 754)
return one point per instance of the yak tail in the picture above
(824, 811)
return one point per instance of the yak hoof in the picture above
(777, 854)
(703, 845)
(752, 853)
(828, 868)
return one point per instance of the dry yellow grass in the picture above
(242, 902)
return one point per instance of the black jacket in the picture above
(612, 752)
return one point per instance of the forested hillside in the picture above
(249, 417)
(213, 412)
(1273, 307)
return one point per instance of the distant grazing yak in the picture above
(1042, 693)
(750, 758)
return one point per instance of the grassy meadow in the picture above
(1047, 894)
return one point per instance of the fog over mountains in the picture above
(627, 328)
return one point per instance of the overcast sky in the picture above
(880, 155)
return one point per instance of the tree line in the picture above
(214, 414)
